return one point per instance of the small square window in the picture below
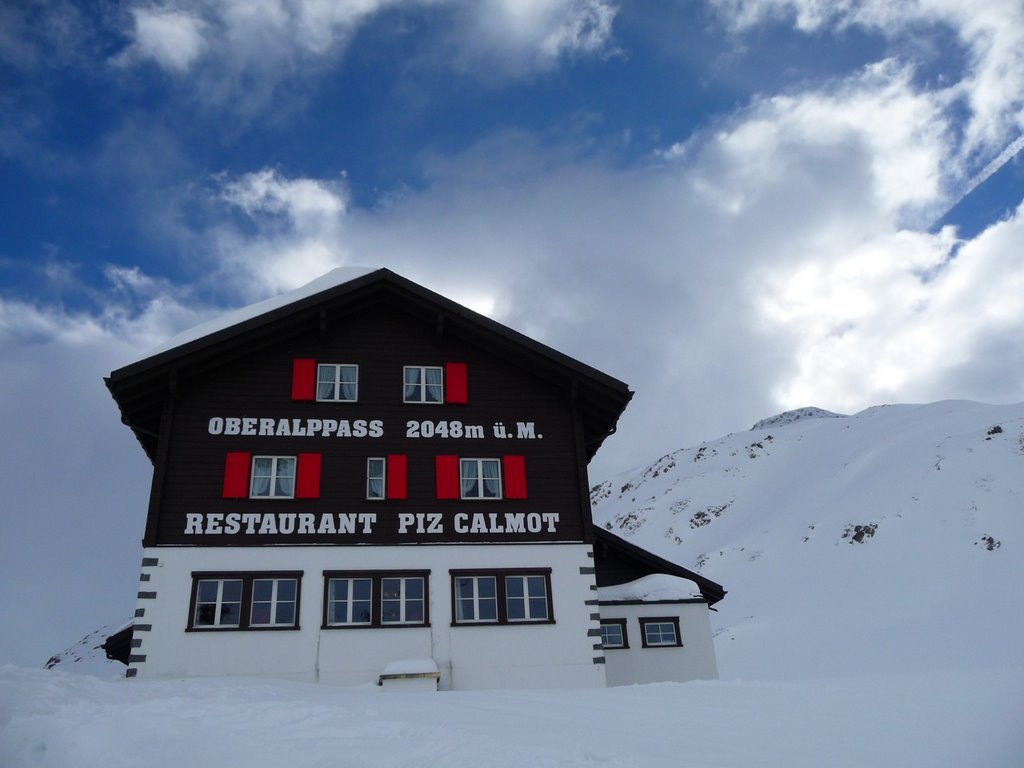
(401, 600)
(660, 632)
(337, 383)
(526, 598)
(349, 601)
(273, 602)
(476, 599)
(423, 384)
(613, 633)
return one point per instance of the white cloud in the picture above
(173, 39)
(299, 231)
(991, 34)
(871, 328)
(521, 36)
(242, 50)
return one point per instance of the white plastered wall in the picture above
(694, 660)
(554, 655)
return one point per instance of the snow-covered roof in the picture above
(653, 588)
(332, 279)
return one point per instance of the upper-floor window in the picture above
(490, 478)
(337, 382)
(273, 477)
(386, 477)
(480, 478)
(375, 473)
(423, 384)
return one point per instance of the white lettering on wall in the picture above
(362, 523)
(269, 427)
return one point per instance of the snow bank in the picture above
(948, 720)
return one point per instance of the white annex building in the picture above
(364, 482)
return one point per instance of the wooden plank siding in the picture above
(380, 339)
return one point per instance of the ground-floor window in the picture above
(613, 633)
(507, 596)
(249, 600)
(660, 632)
(375, 599)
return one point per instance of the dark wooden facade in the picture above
(547, 412)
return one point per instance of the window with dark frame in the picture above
(614, 634)
(660, 632)
(504, 596)
(375, 599)
(337, 383)
(244, 601)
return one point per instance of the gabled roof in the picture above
(141, 388)
(618, 562)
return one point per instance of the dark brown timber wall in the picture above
(380, 340)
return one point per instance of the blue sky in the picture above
(736, 206)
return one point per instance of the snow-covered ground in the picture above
(953, 720)
(874, 618)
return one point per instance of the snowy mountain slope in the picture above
(886, 541)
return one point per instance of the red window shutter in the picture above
(236, 476)
(307, 476)
(303, 379)
(515, 476)
(455, 390)
(447, 468)
(395, 478)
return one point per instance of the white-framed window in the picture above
(218, 603)
(480, 478)
(273, 602)
(349, 601)
(503, 596)
(272, 477)
(660, 632)
(401, 600)
(476, 599)
(423, 384)
(375, 599)
(613, 633)
(337, 382)
(526, 598)
(245, 600)
(376, 473)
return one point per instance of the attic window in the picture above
(435, 384)
(337, 383)
(423, 384)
